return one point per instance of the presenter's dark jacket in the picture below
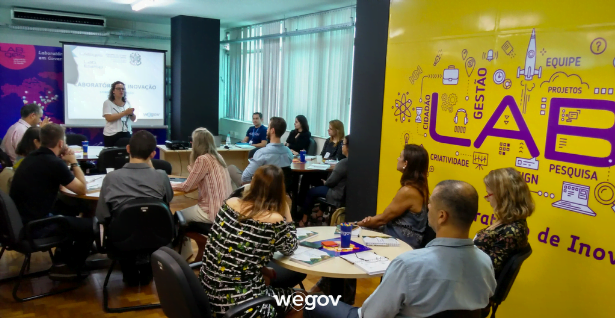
(298, 141)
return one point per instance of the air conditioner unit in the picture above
(55, 18)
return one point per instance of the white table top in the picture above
(337, 267)
(93, 152)
(220, 149)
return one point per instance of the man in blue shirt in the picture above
(275, 153)
(257, 134)
(450, 273)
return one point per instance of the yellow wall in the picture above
(426, 37)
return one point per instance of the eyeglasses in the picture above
(488, 195)
(120, 89)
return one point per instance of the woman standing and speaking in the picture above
(118, 114)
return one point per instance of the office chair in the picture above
(114, 158)
(138, 227)
(75, 139)
(5, 160)
(507, 277)
(181, 294)
(457, 314)
(252, 152)
(311, 151)
(162, 165)
(11, 238)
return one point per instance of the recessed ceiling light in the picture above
(141, 4)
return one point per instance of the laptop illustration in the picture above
(574, 198)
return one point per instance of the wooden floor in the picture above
(86, 301)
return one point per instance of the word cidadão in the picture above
(310, 301)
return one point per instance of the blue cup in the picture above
(346, 234)
(302, 156)
(84, 145)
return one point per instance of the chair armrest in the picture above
(181, 220)
(239, 310)
(41, 223)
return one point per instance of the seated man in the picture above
(30, 116)
(35, 189)
(275, 153)
(136, 180)
(450, 273)
(256, 134)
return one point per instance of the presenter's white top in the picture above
(123, 124)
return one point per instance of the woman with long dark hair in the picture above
(406, 216)
(299, 138)
(30, 141)
(119, 115)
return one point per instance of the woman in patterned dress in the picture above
(245, 234)
(512, 204)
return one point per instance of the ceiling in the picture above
(231, 13)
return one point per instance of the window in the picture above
(308, 74)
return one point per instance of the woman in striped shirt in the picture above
(207, 172)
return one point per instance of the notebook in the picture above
(94, 182)
(303, 234)
(370, 262)
(356, 230)
(380, 241)
(317, 166)
(309, 256)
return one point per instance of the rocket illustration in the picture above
(530, 61)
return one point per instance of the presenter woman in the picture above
(118, 114)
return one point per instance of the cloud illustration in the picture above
(561, 76)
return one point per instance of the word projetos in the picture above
(310, 301)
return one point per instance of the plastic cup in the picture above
(346, 234)
(84, 145)
(302, 156)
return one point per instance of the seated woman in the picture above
(334, 187)
(245, 234)
(512, 204)
(299, 138)
(30, 141)
(406, 216)
(207, 172)
(332, 150)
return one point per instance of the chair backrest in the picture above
(114, 158)
(75, 139)
(458, 314)
(140, 225)
(162, 165)
(5, 160)
(252, 152)
(179, 290)
(338, 217)
(428, 235)
(11, 224)
(509, 274)
(288, 179)
(311, 151)
(122, 142)
(6, 178)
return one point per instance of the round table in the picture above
(337, 267)
(93, 195)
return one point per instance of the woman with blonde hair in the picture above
(207, 172)
(333, 145)
(512, 204)
(246, 233)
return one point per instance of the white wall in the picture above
(53, 39)
(238, 129)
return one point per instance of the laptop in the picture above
(575, 198)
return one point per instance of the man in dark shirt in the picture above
(35, 189)
(257, 134)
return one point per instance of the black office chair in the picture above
(138, 227)
(252, 152)
(114, 158)
(162, 165)
(457, 314)
(507, 277)
(122, 142)
(75, 139)
(289, 180)
(181, 294)
(17, 237)
(311, 151)
(5, 160)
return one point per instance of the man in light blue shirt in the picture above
(275, 153)
(450, 273)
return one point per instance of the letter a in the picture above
(523, 133)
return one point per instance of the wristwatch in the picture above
(73, 165)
